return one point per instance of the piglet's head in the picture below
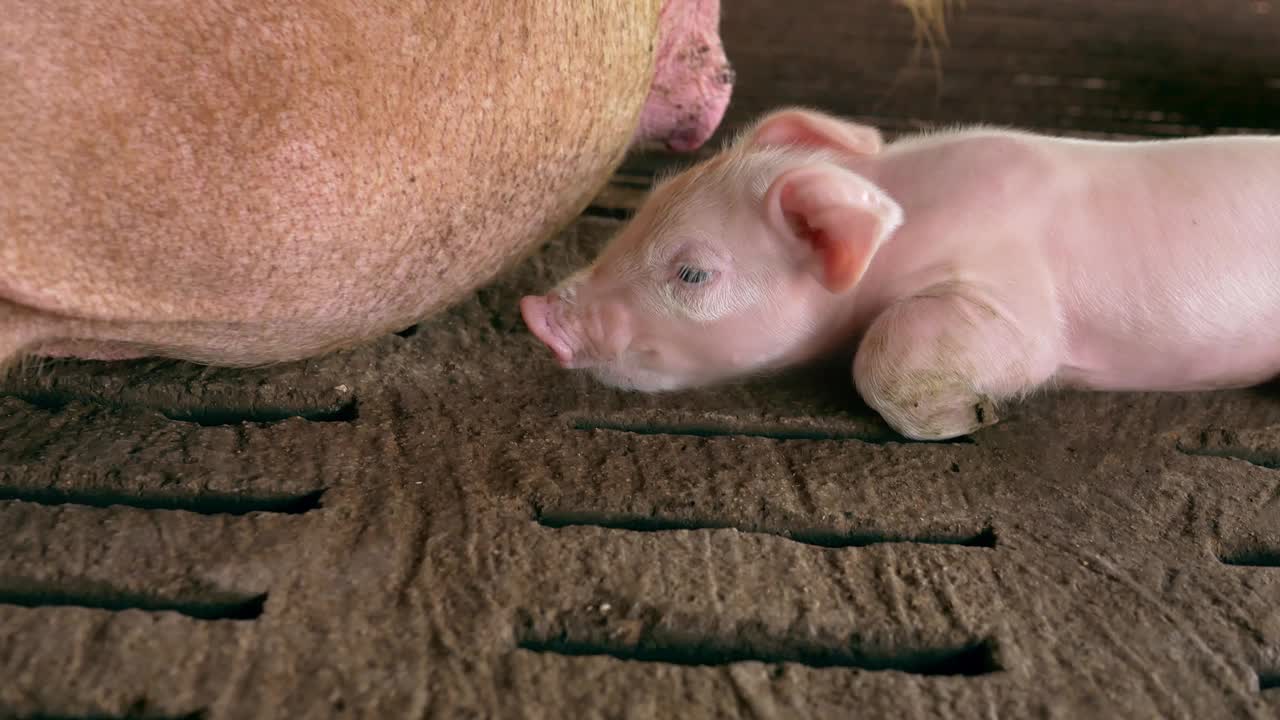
(739, 265)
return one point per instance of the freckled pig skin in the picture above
(693, 81)
(966, 268)
(242, 183)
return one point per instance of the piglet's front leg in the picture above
(936, 366)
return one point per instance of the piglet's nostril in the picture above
(540, 317)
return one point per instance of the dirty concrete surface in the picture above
(442, 523)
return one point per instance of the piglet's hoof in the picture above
(942, 417)
(984, 412)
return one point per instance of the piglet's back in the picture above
(1167, 256)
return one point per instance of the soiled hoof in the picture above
(946, 413)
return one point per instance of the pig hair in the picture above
(25, 365)
(17, 334)
(740, 174)
(12, 365)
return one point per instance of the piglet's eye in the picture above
(693, 275)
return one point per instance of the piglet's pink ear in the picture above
(834, 220)
(806, 128)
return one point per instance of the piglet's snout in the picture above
(580, 334)
(608, 329)
(544, 317)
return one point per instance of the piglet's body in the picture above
(967, 268)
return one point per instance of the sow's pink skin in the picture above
(967, 268)
(692, 79)
(306, 175)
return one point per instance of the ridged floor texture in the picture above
(442, 524)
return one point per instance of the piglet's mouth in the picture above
(538, 315)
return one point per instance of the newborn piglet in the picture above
(967, 268)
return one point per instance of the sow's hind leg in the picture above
(938, 366)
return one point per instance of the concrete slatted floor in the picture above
(443, 524)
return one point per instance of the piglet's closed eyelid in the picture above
(694, 275)
(714, 266)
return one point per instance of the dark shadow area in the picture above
(197, 715)
(210, 417)
(1268, 681)
(984, 537)
(227, 607)
(347, 411)
(137, 711)
(205, 503)
(47, 401)
(612, 213)
(1252, 557)
(654, 645)
(1155, 69)
(965, 661)
(773, 433)
(131, 715)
